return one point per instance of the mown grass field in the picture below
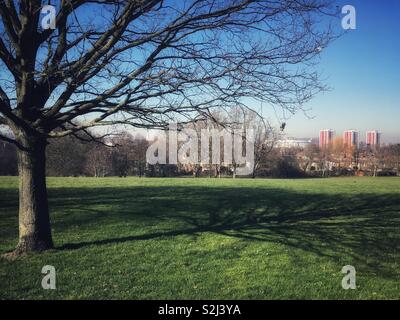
(185, 238)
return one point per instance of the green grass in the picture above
(184, 238)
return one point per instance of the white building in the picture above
(293, 143)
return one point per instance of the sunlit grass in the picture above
(184, 238)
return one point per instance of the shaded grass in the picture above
(210, 238)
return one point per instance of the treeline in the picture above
(342, 160)
(125, 155)
(8, 159)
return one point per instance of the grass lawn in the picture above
(184, 238)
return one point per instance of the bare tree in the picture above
(394, 157)
(264, 135)
(143, 63)
(265, 139)
(8, 159)
(98, 161)
(67, 156)
(129, 154)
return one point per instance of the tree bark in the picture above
(34, 220)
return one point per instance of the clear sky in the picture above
(362, 68)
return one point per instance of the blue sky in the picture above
(362, 68)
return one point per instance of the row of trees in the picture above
(340, 159)
(122, 155)
(125, 155)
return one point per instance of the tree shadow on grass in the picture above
(363, 227)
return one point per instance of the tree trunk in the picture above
(34, 220)
(253, 174)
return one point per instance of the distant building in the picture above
(325, 138)
(351, 138)
(373, 138)
(293, 143)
